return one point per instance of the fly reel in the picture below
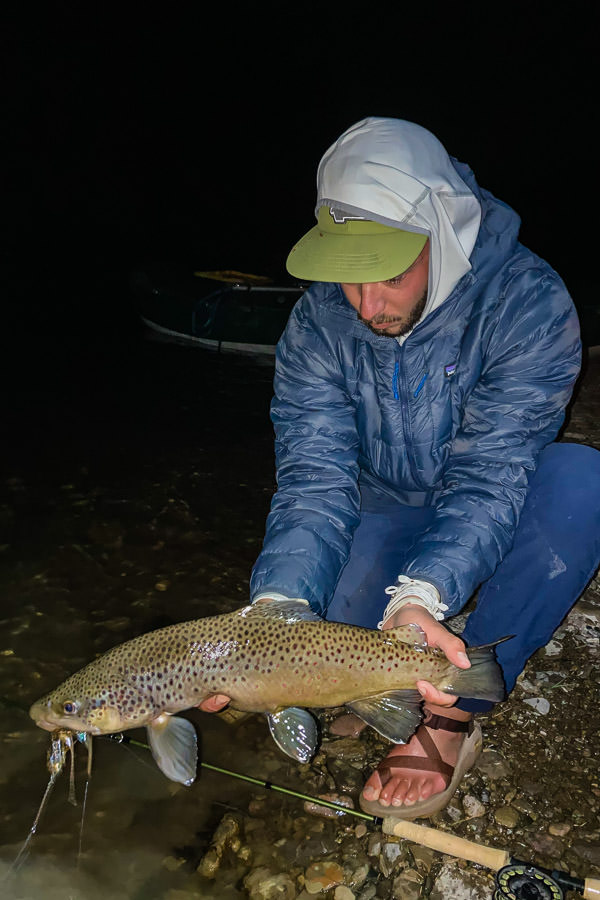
(522, 882)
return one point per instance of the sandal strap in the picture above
(432, 762)
(419, 763)
(445, 724)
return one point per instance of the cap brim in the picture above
(354, 258)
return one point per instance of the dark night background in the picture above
(194, 135)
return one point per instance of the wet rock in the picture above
(209, 864)
(360, 830)
(390, 857)
(368, 892)
(322, 876)
(473, 807)
(343, 893)
(546, 844)
(375, 842)
(423, 857)
(526, 808)
(327, 812)
(506, 816)
(349, 749)
(539, 704)
(492, 764)
(590, 852)
(560, 829)
(458, 884)
(312, 848)
(356, 875)
(407, 885)
(263, 884)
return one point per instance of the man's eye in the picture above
(396, 280)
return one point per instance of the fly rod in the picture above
(515, 879)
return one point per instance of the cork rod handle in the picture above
(448, 843)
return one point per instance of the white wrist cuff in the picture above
(414, 592)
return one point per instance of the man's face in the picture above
(392, 307)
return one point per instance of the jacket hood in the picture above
(398, 173)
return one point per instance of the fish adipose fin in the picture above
(174, 746)
(395, 714)
(483, 681)
(295, 732)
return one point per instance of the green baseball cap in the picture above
(347, 248)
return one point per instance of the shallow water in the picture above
(137, 481)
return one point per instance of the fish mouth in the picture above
(46, 725)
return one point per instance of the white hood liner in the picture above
(398, 173)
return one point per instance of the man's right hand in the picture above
(437, 636)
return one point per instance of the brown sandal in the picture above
(470, 750)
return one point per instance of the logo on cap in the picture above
(340, 217)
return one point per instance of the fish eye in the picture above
(69, 707)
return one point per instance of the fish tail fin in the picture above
(484, 680)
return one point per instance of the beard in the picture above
(400, 325)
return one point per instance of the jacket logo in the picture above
(449, 370)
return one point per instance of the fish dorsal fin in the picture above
(394, 714)
(289, 611)
(295, 732)
(174, 746)
(408, 634)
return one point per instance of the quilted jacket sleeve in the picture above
(316, 507)
(530, 366)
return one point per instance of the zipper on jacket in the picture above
(401, 385)
(395, 381)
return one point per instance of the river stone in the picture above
(322, 876)
(507, 816)
(343, 893)
(546, 844)
(560, 829)
(263, 884)
(458, 884)
(407, 885)
(589, 852)
(473, 807)
(540, 704)
(391, 853)
(492, 764)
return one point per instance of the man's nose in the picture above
(371, 300)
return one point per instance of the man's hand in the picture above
(437, 636)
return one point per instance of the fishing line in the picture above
(268, 785)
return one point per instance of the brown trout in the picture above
(276, 658)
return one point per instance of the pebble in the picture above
(492, 764)
(473, 807)
(327, 812)
(546, 844)
(590, 852)
(560, 829)
(263, 884)
(343, 893)
(540, 704)
(407, 885)
(507, 816)
(360, 830)
(322, 876)
(458, 884)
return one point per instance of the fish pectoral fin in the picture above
(395, 714)
(408, 634)
(174, 746)
(295, 732)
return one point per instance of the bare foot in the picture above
(405, 787)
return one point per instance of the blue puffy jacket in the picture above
(455, 416)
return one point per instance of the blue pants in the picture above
(555, 553)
